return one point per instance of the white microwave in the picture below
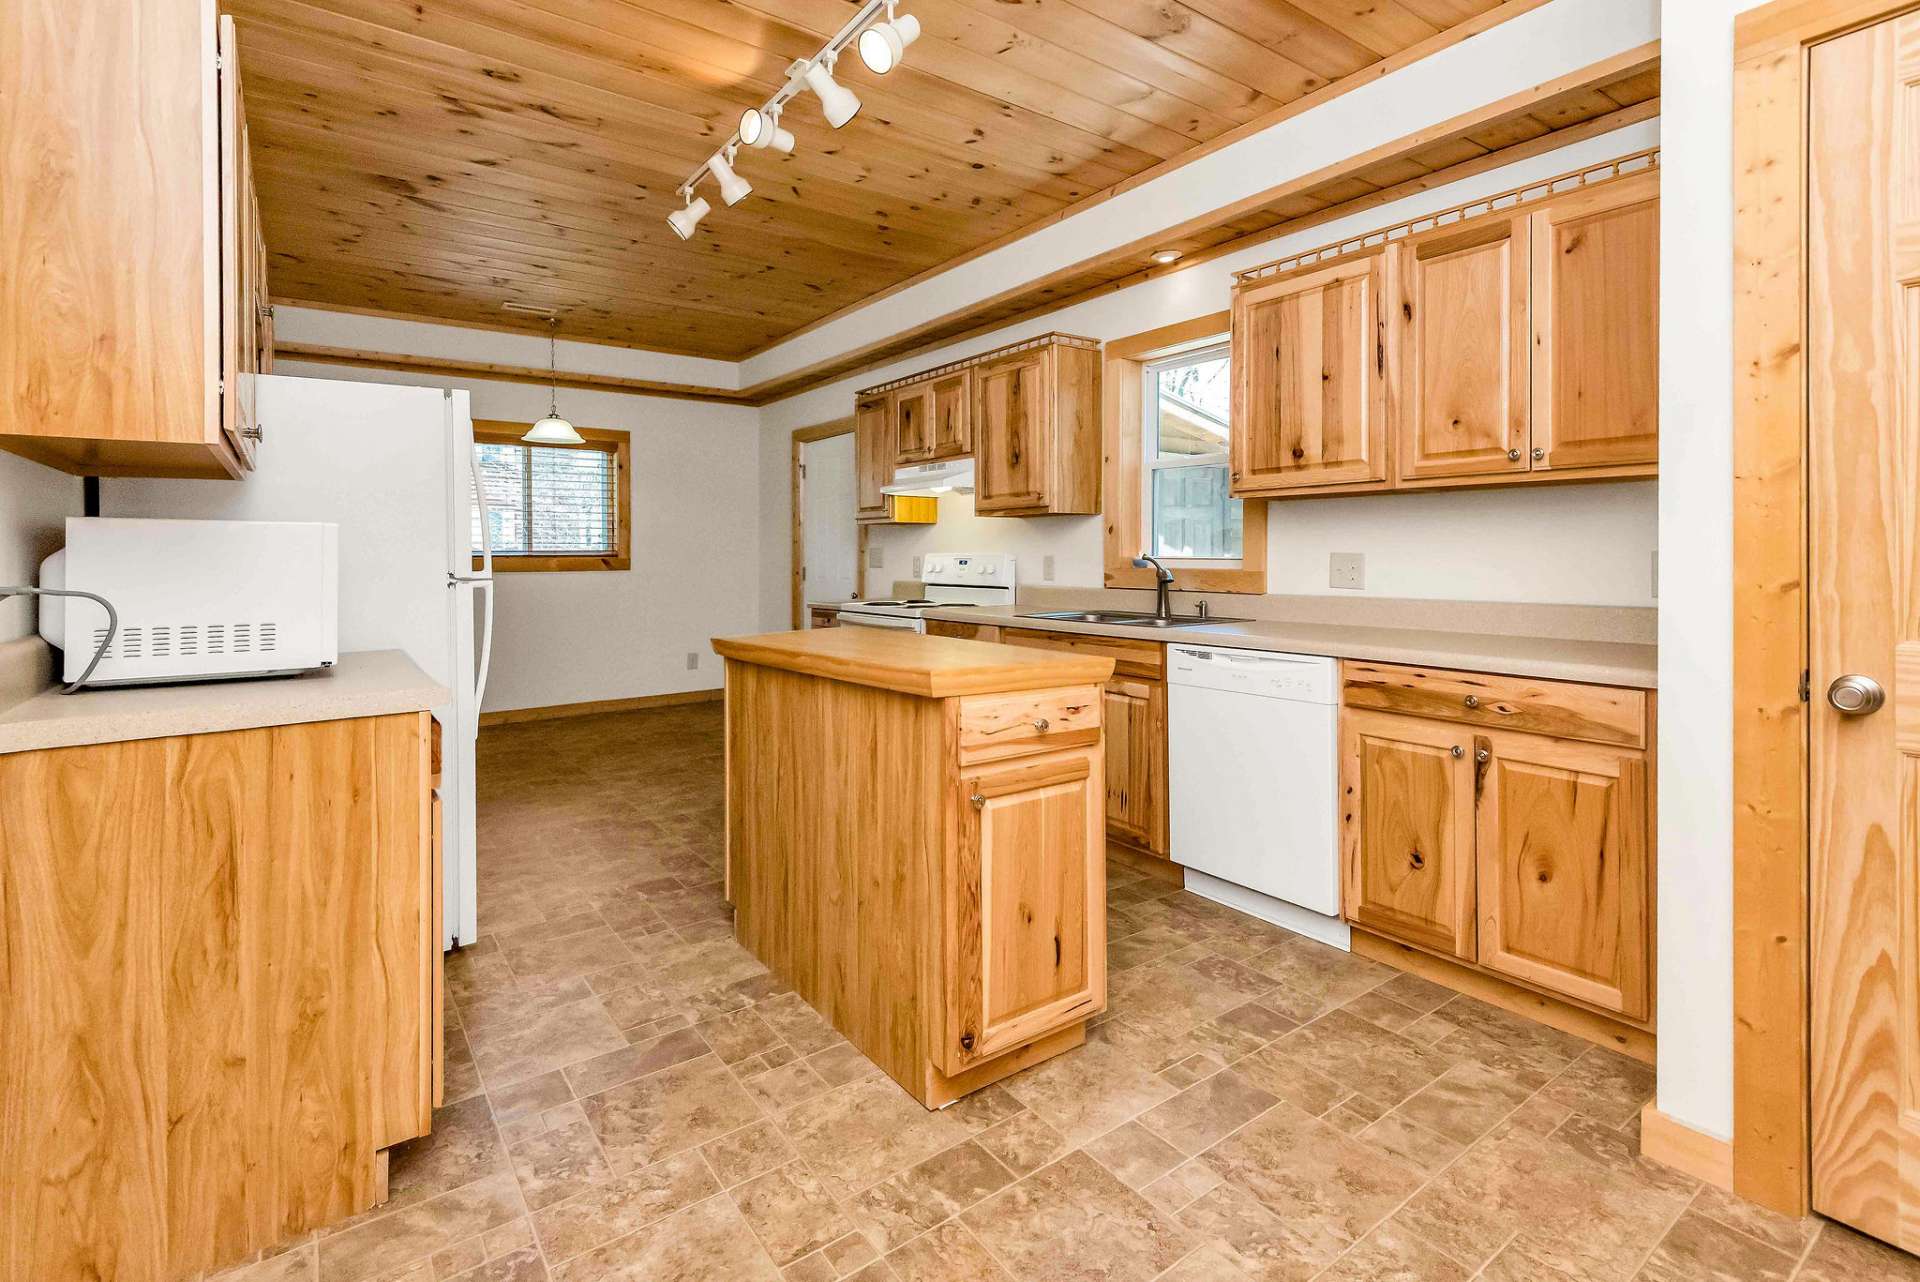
(196, 600)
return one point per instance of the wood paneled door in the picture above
(1863, 522)
(1459, 325)
(1407, 823)
(1596, 327)
(1310, 380)
(1012, 427)
(1027, 905)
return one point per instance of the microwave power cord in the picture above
(100, 652)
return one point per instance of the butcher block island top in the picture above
(916, 843)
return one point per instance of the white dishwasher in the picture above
(1253, 755)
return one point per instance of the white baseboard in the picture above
(1301, 921)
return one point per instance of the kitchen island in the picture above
(915, 842)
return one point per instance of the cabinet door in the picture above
(1309, 380)
(873, 454)
(1026, 905)
(1460, 333)
(913, 424)
(236, 238)
(1012, 432)
(1136, 742)
(1406, 819)
(1563, 869)
(1596, 327)
(953, 416)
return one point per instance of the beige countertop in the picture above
(932, 667)
(370, 684)
(1616, 663)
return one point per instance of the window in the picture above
(554, 507)
(1185, 406)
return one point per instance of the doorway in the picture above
(1827, 613)
(829, 545)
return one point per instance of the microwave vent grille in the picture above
(164, 641)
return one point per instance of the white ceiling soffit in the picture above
(1553, 40)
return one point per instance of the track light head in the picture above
(838, 102)
(733, 188)
(762, 129)
(883, 44)
(683, 221)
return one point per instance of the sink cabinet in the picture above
(126, 191)
(1505, 824)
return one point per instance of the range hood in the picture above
(933, 478)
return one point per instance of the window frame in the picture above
(1151, 465)
(603, 440)
(1124, 498)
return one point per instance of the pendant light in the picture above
(553, 430)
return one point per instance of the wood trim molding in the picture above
(1121, 463)
(441, 367)
(598, 707)
(1772, 1132)
(1686, 1150)
(796, 518)
(607, 440)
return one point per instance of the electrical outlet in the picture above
(876, 556)
(1347, 570)
(1046, 568)
(693, 661)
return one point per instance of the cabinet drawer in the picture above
(1006, 725)
(964, 631)
(1563, 709)
(1130, 658)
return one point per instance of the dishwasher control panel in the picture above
(1303, 678)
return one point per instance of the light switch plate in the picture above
(1656, 575)
(1046, 568)
(693, 661)
(916, 569)
(1347, 570)
(876, 556)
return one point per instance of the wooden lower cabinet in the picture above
(218, 994)
(1022, 902)
(1525, 855)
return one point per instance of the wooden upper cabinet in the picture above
(125, 212)
(1036, 431)
(1026, 911)
(240, 309)
(1459, 331)
(1564, 871)
(953, 415)
(1596, 327)
(1310, 379)
(873, 456)
(1407, 829)
(913, 424)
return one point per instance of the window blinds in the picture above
(547, 501)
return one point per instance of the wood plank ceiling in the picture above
(441, 158)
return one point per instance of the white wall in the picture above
(1696, 567)
(35, 502)
(1495, 545)
(577, 637)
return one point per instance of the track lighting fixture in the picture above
(760, 128)
(837, 102)
(683, 221)
(882, 34)
(883, 44)
(733, 188)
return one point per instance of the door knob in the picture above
(1856, 695)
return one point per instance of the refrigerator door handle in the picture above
(484, 586)
(486, 524)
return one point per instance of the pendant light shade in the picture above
(838, 102)
(554, 430)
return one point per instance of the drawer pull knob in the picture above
(1040, 725)
(1483, 756)
(1417, 859)
(1473, 701)
(1513, 456)
(1538, 453)
(1457, 751)
(966, 1041)
(979, 802)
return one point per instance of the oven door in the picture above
(904, 623)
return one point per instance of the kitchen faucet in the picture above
(1163, 583)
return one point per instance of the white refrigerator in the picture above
(395, 469)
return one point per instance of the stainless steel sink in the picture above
(1133, 618)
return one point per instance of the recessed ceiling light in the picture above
(1166, 256)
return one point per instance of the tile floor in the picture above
(631, 1096)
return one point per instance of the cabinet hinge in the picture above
(1806, 686)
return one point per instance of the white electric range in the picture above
(951, 579)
